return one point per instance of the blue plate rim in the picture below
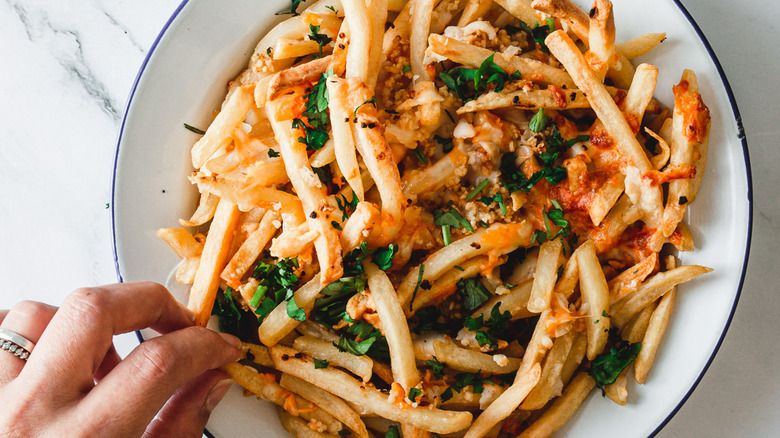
(740, 132)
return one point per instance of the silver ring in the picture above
(15, 344)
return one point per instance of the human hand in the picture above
(75, 384)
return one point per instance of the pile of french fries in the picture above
(592, 278)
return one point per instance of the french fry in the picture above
(595, 292)
(316, 330)
(690, 132)
(259, 354)
(400, 29)
(394, 327)
(569, 13)
(205, 211)
(605, 199)
(421, 27)
(378, 158)
(574, 359)
(360, 366)
(444, 12)
(185, 273)
(640, 94)
(327, 401)
(473, 56)
(635, 330)
(343, 140)
(212, 260)
(520, 9)
(499, 239)
(538, 345)
(378, 15)
(312, 195)
(298, 427)
(325, 155)
(640, 45)
(265, 387)
(474, 10)
(181, 242)
(656, 329)
(556, 99)
(217, 135)
(616, 391)
(470, 361)
(359, 22)
(293, 48)
(546, 276)
(358, 227)
(342, 385)
(569, 278)
(562, 409)
(630, 279)
(249, 251)
(657, 286)
(660, 160)
(550, 383)
(567, 53)
(278, 324)
(436, 176)
(505, 403)
(601, 37)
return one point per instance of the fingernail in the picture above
(232, 340)
(217, 393)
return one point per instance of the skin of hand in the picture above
(75, 384)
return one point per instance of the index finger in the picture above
(78, 337)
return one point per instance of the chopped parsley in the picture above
(481, 186)
(383, 257)
(226, 308)
(487, 200)
(450, 217)
(361, 338)
(429, 319)
(332, 9)
(331, 306)
(446, 143)
(392, 432)
(537, 34)
(293, 8)
(554, 216)
(472, 294)
(315, 129)
(539, 121)
(194, 129)
(414, 393)
(276, 284)
(467, 83)
(496, 325)
(462, 380)
(407, 68)
(417, 285)
(421, 158)
(345, 206)
(273, 154)
(437, 368)
(607, 366)
(320, 364)
(317, 37)
(514, 179)
(371, 101)
(336, 225)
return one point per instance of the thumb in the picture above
(187, 411)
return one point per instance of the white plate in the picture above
(207, 43)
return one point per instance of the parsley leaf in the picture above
(446, 143)
(539, 121)
(607, 366)
(273, 154)
(472, 294)
(227, 310)
(293, 8)
(392, 432)
(345, 206)
(481, 186)
(276, 284)
(497, 198)
(371, 101)
(331, 305)
(417, 285)
(365, 340)
(467, 83)
(194, 129)
(421, 158)
(316, 113)
(490, 72)
(319, 38)
(436, 367)
(320, 364)
(414, 393)
(332, 9)
(450, 217)
(383, 257)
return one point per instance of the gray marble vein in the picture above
(125, 30)
(41, 30)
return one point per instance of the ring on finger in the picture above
(15, 344)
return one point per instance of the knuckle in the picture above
(88, 301)
(29, 308)
(157, 359)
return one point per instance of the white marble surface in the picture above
(67, 67)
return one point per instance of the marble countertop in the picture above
(67, 70)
